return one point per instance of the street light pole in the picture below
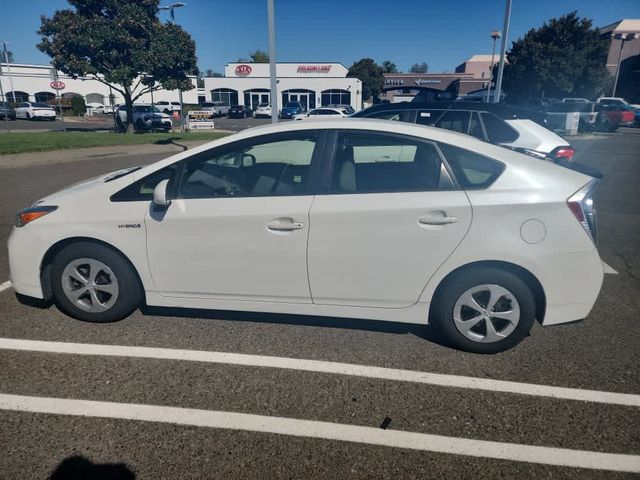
(503, 50)
(495, 35)
(6, 59)
(171, 8)
(272, 62)
(623, 38)
(2, 99)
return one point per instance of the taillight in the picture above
(566, 153)
(33, 213)
(582, 207)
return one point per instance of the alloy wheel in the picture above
(90, 285)
(486, 313)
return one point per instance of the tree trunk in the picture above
(129, 109)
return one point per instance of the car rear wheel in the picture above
(93, 283)
(27, 116)
(484, 310)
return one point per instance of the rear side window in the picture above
(371, 162)
(473, 171)
(497, 129)
(397, 115)
(455, 120)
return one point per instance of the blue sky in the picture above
(443, 34)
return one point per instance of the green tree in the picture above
(122, 44)
(419, 68)
(78, 105)
(370, 74)
(389, 67)
(564, 57)
(257, 56)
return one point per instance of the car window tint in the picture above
(369, 162)
(457, 121)
(267, 168)
(142, 190)
(398, 115)
(497, 129)
(473, 171)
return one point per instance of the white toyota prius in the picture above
(360, 218)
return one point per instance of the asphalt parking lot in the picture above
(236, 398)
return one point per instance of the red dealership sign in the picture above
(243, 70)
(314, 68)
(57, 85)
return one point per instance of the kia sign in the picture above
(57, 85)
(243, 70)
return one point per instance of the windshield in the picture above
(42, 105)
(291, 105)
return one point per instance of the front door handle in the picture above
(431, 219)
(284, 225)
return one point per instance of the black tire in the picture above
(27, 116)
(442, 310)
(129, 290)
(140, 126)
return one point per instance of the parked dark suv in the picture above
(7, 111)
(240, 111)
(515, 128)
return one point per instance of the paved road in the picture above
(598, 354)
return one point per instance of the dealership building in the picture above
(311, 84)
(32, 83)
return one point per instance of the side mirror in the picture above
(160, 194)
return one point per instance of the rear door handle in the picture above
(284, 225)
(437, 220)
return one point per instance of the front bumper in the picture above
(25, 257)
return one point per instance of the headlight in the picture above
(33, 213)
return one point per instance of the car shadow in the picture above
(170, 141)
(78, 467)
(427, 331)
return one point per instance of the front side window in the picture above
(142, 190)
(264, 167)
(472, 170)
(369, 162)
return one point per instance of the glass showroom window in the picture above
(225, 95)
(336, 97)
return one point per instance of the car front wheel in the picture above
(484, 310)
(93, 283)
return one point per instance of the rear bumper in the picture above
(571, 283)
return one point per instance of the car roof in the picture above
(499, 109)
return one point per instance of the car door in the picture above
(391, 219)
(238, 226)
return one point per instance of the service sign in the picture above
(57, 85)
(200, 120)
(243, 70)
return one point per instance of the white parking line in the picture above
(324, 367)
(5, 286)
(324, 430)
(608, 269)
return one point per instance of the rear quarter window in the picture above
(497, 129)
(472, 170)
